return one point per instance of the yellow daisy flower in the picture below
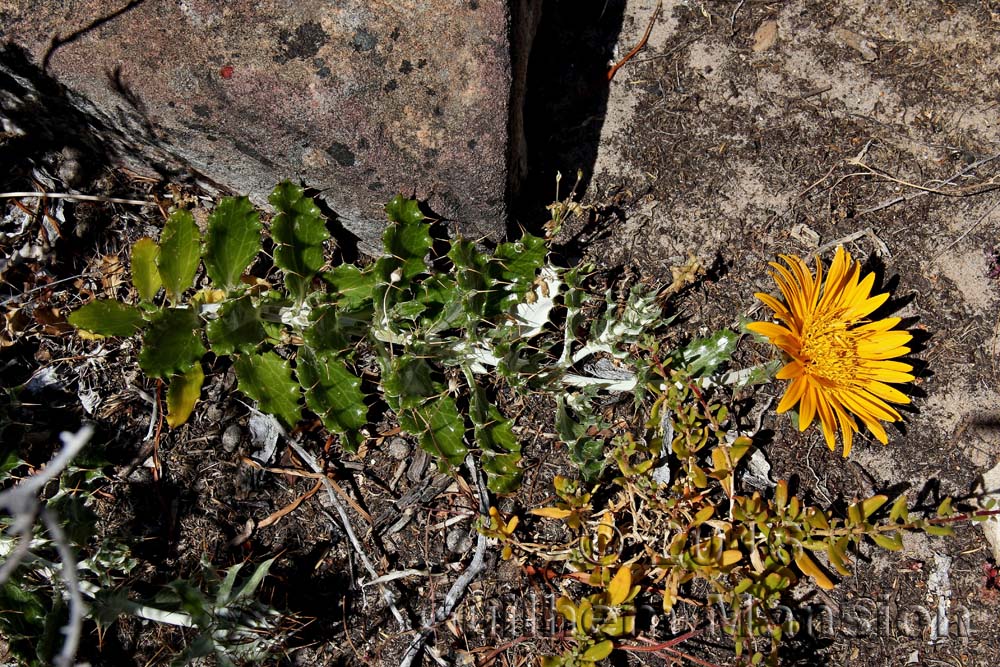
(840, 362)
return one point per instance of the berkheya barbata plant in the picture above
(438, 325)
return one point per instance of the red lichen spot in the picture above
(226, 72)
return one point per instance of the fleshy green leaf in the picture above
(620, 586)
(938, 530)
(180, 252)
(871, 505)
(598, 651)
(811, 569)
(332, 391)
(183, 393)
(267, 378)
(106, 317)
(899, 511)
(299, 231)
(145, 275)
(238, 328)
(170, 344)
(944, 509)
(892, 542)
(232, 242)
(354, 286)
(439, 428)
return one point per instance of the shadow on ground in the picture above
(566, 101)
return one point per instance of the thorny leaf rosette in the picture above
(840, 362)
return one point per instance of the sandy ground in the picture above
(745, 130)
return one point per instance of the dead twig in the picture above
(295, 472)
(75, 197)
(642, 42)
(22, 503)
(968, 231)
(963, 191)
(881, 247)
(921, 193)
(345, 519)
(667, 647)
(458, 589)
(732, 19)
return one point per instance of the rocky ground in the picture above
(742, 130)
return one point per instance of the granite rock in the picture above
(359, 99)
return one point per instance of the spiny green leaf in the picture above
(408, 380)
(232, 242)
(444, 301)
(407, 242)
(439, 428)
(183, 393)
(588, 455)
(585, 452)
(518, 261)
(325, 332)
(299, 231)
(267, 378)
(705, 355)
(404, 211)
(170, 344)
(495, 436)
(106, 317)
(332, 391)
(472, 273)
(354, 286)
(249, 587)
(503, 472)
(145, 275)
(180, 252)
(237, 328)
(406, 310)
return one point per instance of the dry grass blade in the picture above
(295, 472)
(290, 507)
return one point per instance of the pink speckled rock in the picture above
(358, 98)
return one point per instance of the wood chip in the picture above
(857, 42)
(416, 471)
(765, 37)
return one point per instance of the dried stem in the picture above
(458, 589)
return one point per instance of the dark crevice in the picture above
(565, 103)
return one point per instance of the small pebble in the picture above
(398, 449)
(459, 540)
(231, 438)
